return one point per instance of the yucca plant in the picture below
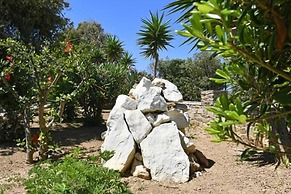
(155, 35)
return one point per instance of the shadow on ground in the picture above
(75, 134)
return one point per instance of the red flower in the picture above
(9, 59)
(49, 79)
(69, 46)
(7, 76)
(34, 139)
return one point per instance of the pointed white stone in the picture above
(170, 91)
(119, 140)
(137, 124)
(152, 101)
(143, 86)
(122, 103)
(164, 156)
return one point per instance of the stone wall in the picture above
(197, 112)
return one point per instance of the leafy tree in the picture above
(192, 75)
(255, 36)
(113, 48)
(32, 21)
(155, 35)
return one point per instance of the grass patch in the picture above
(73, 175)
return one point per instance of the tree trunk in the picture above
(28, 144)
(45, 131)
(156, 64)
(280, 137)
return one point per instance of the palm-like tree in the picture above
(127, 60)
(113, 48)
(155, 35)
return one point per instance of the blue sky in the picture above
(123, 19)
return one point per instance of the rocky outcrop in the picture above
(145, 130)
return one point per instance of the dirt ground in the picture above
(227, 175)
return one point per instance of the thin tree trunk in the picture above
(45, 131)
(281, 138)
(28, 145)
(156, 65)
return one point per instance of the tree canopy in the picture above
(32, 21)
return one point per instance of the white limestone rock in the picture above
(158, 119)
(142, 87)
(152, 101)
(164, 156)
(120, 141)
(181, 119)
(122, 103)
(137, 124)
(187, 145)
(182, 107)
(138, 170)
(170, 91)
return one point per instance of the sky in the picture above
(123, 19)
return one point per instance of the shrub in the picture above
(73, 175)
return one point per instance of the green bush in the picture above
(73, 175)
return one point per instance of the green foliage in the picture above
(155, 35)
(228, 114)
(106, 155)
(34, 21)
(254, 38)
(73, 175)
(191, 76)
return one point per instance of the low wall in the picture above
(197, 112)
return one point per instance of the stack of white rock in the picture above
(146, 132)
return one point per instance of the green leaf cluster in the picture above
(254, 39)
(72, 175)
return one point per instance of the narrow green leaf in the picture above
(227, 123)
(222, 74)
(232, 115)
(219, 81)
(224, 101)
(184, 33)
(239, 107)
(204, 7)
(195, 21)
(212, 131)
(209, 28)
(219, 33)
(213, 16)
(242, 119)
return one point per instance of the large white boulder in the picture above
(122, 103)
(164, 156)
(122, 143)
(170, 90)
(152, 101)
(143, 86)
(137, 124)
(181, 119)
